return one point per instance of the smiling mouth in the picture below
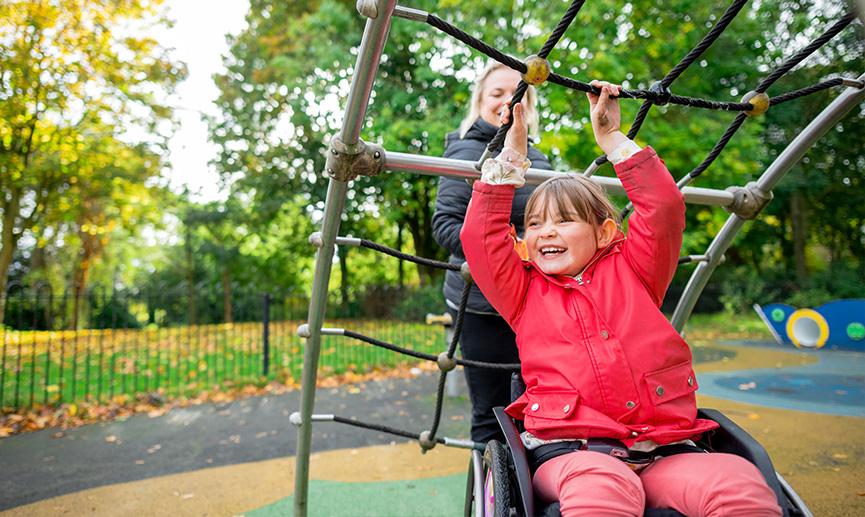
(551, 251)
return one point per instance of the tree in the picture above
(289, 71)
(68, 67)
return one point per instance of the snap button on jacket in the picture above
(599, 359)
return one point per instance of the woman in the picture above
(485, 335)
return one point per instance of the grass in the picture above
(50, 368)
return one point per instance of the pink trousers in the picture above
(695, 484)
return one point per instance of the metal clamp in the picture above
(346, 162)
(852, 83)
(367, 8)
(748, 201)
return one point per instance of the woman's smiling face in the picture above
(498, 88)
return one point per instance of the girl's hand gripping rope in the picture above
(606, 116)
(510, 166)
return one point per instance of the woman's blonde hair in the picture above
(572, 196)
(530, 101)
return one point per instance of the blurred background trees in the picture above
(84, 196)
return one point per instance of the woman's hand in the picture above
(518, 135)
(606, 116)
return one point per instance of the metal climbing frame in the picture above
(348, 156)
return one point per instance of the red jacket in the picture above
(598, 357)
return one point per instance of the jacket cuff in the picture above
(499, 198)
(631, 172)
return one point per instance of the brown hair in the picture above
(572, 196)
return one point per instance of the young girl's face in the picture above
(560, 244)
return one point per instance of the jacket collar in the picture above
(481, 130)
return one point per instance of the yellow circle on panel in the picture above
(807, 328)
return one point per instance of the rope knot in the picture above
(660, 94)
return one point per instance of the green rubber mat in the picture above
(434, 497)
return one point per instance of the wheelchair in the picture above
(499, 482)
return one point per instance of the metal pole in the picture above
(462, 169)
(793, 153)
(365, 69)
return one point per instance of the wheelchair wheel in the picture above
(496, 490)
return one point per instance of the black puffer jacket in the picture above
(453, 199)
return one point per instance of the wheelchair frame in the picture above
(728, 438)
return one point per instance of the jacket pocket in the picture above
(671, 392)
(552, 405)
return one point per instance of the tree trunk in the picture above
(226, 297)
(190, 278)
(419, 223)
(799, 226)
(7, 250)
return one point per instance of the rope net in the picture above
(658, 94)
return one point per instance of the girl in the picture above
(598, 358)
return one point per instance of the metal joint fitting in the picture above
(661, 94)
(446, 363)
(303, 330)
(758, 101)
(367, 8)
(537, 70)
(748, 201)
(852, 83)
(316, 240)
(295, 419)
(346, 162)
(465, 272)
(426, 444)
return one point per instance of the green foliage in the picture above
(77, 83)
(741, 289)
(415, 304)
(282, 97)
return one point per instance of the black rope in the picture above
(476, 44)
(428, 357)
(768, 81)
(764, 84)
(390, 430)
(705, 43)
(458, 329)
(405, 256)
(440, 393)
(797, 58)
(461, 312)
(560, 29)
(683, 64)
(496, 143)
(789, 96)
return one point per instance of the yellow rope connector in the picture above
(760, 101)
(537, 70)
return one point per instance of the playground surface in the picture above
(806, 408)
